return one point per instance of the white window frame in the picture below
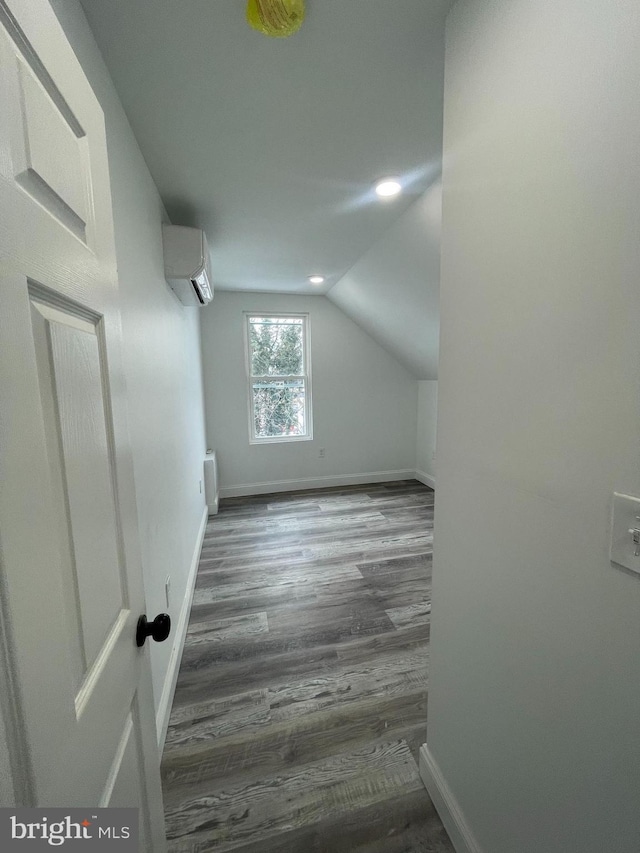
(304, 378)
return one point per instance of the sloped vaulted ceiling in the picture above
(393, 290)
(273, 145)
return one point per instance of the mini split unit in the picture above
(187, 265)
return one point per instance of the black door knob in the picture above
(158, 630)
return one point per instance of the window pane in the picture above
(278, 408)
(276, 346)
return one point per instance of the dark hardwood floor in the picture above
(301, 699)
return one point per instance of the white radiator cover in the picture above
(211, 489)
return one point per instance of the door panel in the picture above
(48, 144)
(125, 785)
(80, 708)
(71, 376)
(49, 161)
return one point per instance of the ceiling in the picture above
(393, 290)
(273, 145)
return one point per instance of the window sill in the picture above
(278, 440)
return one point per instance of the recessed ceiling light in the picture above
(316, 279)
(388, 187)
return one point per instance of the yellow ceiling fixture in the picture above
(279, 18)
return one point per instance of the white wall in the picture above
(426, 431)
(161, 358)
(534, 698)
(393, 290)
(364, 401)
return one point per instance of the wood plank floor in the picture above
(301, 699)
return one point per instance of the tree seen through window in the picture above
(278, 376)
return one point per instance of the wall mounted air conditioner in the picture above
(186, 264)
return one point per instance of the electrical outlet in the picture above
(167, 589)
(321, 453)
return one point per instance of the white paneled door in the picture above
(77, 722)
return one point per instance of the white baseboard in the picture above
(446, 804)
(171, 678)
(425, 478)
(243, 489)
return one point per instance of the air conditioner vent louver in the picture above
(196, 290)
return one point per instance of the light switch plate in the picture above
(624, 517)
